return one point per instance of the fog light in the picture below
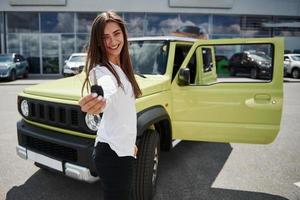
(25, 108)
(92, 121)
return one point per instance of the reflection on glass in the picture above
(84, 22)
(67, 46)
(13, 43)
(22, 22)
(192, 25)
(148, 57)
(245, 61)
(31, 51)
(135, 24)
(286, 26)
(57, 22)
(50, 49)
(223, 24)
(162, 24)
(82, 41)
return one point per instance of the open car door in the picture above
(236, 94)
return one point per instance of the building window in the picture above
(13, 43)
(21, 22)
(84, 22)
(135, 24)
(226, 25)
(286, 26)
(82, 41)
(57, 22)
(256, 26)
(192, 25)
(162, 24)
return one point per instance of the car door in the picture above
(229, 109)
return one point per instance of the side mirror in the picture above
(184, 77)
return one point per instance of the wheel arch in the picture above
(157, 116)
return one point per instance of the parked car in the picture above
(12, 66)
(292, 65)
(74, 64)
(180, 101)
(254, 64)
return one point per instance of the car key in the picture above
(95, 88)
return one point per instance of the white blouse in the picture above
(118, 126)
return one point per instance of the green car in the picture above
(184, 98)
(12, 66)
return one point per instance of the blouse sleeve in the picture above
(108, 83)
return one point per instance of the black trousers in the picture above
(115, 172)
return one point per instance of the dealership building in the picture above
(46, 32)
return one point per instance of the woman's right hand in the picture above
(92, 103)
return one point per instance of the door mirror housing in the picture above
(184, 77)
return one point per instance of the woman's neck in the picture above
(115, 60)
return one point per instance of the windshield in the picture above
(149, 57)
(6, 58)
(77, 59)
(296, 58)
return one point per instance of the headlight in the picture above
(25, 108)
(92, 121)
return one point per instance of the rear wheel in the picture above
(145, 172)
(296, 73)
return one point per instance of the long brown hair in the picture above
(97, 55)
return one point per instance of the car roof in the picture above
(166, 38)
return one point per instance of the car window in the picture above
(296, 58)
(149, 57)
(241, 62)
(207, 59)
(77, 59)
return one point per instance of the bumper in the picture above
(70, 155)
(71, 71)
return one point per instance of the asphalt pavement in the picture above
(190, 171)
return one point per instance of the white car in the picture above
(292, 65)
(74, 64)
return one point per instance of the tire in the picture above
(253, 73)
(296, 73)
(13, 75)
(232, 71)
(25, 75)
(146, 165)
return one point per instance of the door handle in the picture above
(262, 98)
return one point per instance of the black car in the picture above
(253, 64)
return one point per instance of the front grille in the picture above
(64, 116)
(54, 150)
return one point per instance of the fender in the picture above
(150, 116)
(158, 116)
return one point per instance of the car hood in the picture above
(75, 64)
(70, 88)
(5, 64)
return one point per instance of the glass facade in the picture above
(47, 39)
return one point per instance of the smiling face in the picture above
(114, 41)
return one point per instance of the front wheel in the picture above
(253, 73)
(145, 171)
(296, 73)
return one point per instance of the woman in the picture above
(108, 57)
